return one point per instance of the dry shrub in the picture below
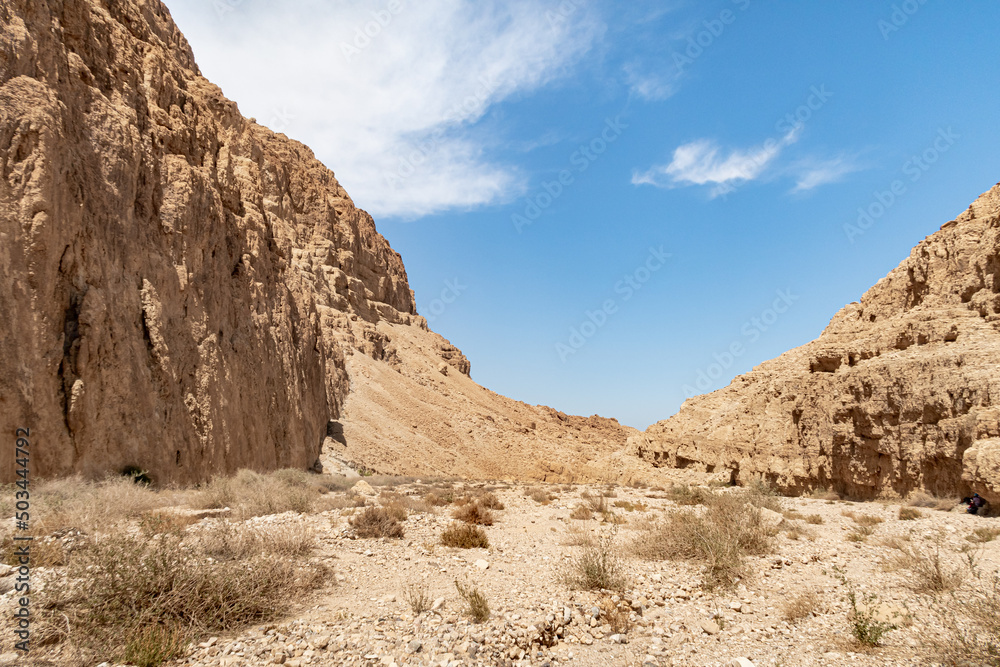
(814, 519)
(576, 537)
(616, 614)
(863, 520)
(599, 566)
(337, 501)
(909, 514)
(983, 535)
(435, 499)
(801, 606)
(929, 569)
(223, 540)
(377, 522)
(479, 608)
(972, 629)
(121, 586)
(474, 513)
(686, 495)
(418, 598)
(465, 536)
(823, 493)
(72, 503)
(158, 522)
(796, 533)
(251, 494)
(581, 512)
(926, 500)
(46, 551)
(629, 506)
(720, 537)
(793, 515)
(490, 501)
(539, 495)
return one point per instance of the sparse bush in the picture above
(685, 495)
(490, 501)
(575, 537)
(439, 498)
(909, 514)
(581, 512)
(801, 606)
(121, 585)
(223, 540)
(479, 609)
(866, 627)
(377, 522)
(720, 537)
(930, 570)
(598, 567)
(474, 513)
(465, 536)
(823, 493)
(538, 495)
(418, 598)
(251, 494)
(814, 519)
(982, 535)
(629, 506)
(926, 500)
(972, 629)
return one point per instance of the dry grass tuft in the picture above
(801, 606)
(377, 522)
(909, 514)
(479, 608)
(539, 495)
(599, 566)
(418, 598)
(465, 536)
(490, 501)
(223, 540)
(972, 629)
(720, 537)
(581, 512)
(686, 495)
(983, 535)
(814, 519)
(926, 500)
(251, 494)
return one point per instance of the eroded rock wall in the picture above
(899, 392)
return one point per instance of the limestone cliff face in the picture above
(901, 391)
(183, 290)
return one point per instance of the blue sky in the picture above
(607, 209)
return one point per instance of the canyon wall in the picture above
(900, 392)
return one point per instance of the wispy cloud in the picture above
(648, 85)
(814, 173)
(703, 162)
(390, 99)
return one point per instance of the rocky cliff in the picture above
(187, 292)
(901, 391)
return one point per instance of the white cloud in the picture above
(813, 174)
(703, 162)
(389, 100)
(649, 86)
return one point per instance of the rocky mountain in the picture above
(189, 293)
(901, 391)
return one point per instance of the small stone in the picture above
(740, 662)
(710, 627)
(363, 488)
(619, 639)
(414, 646)
(437, 604)
(736, 606)
(482, 564)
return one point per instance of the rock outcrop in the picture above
(900, 392)
(184, 291)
